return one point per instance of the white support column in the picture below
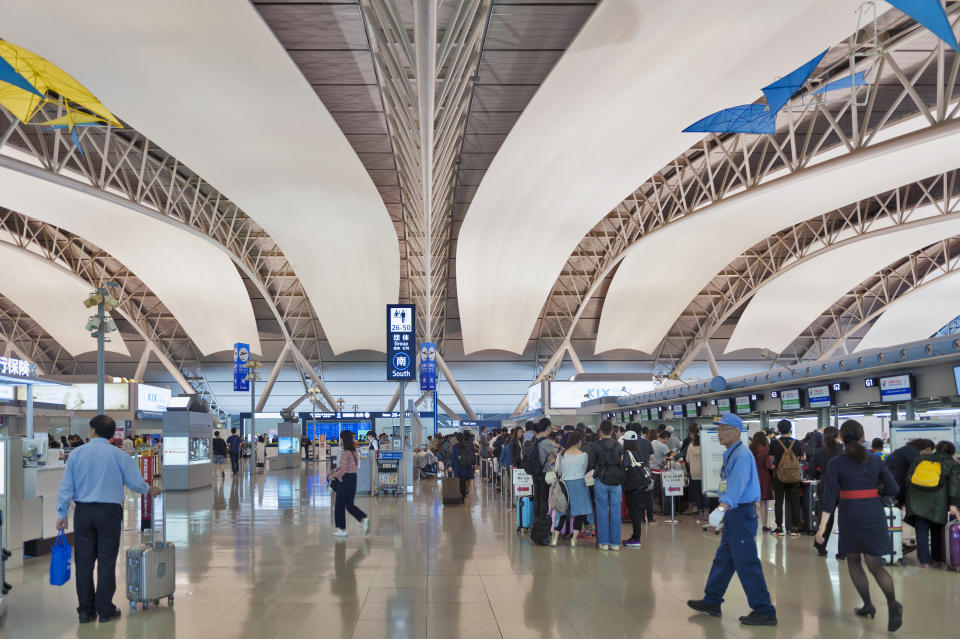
(142, 365)
(298, 401)
(268, 387)
(425, 39)
(313, 375)
(447, 410)
(520, 407)
(711, 360)
(456, 388)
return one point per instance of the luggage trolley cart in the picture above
(389, 472)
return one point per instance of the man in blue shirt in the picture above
(739, 489)
(233, 443)
(94, 478)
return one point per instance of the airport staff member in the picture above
(94, 479)
(739, 489)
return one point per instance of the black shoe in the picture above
(110, 616)
(777, 531)
(821, 550)
(896, 617)
(867, 611)
(757, 619)
(841, 556)
(85, 618)
(702, 606)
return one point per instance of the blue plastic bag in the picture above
(60, 561)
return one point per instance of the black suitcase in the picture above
(810, 506)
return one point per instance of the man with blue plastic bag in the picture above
(94, 480)
(739, 490)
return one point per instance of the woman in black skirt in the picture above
(852, 480)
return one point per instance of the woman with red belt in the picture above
(851, 481)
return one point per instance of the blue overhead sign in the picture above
(428, 367)
(401, 342)
(241, 355)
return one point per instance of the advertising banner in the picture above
(574, 394)
(428, 367)
(152, 398)
(241, 355)
(401, 341)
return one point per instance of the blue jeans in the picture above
(738, 553)
(608, 513)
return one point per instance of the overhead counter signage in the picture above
(241, 355)
(896, 388)
(743, 405)
(818, 396)
(17, 367)
(401, 342)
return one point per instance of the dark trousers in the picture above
(925, 528)
(636, 504)
(235, 462)
(738, 554)
(97, 538)
(695, 494)
(792, 493)
(541, 493)
(346, 492)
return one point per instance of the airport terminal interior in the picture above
(399, 253)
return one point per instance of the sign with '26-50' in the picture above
(401, 342)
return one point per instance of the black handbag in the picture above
(334, 484)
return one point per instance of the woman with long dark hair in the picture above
(851, 481)
(463, 462)
(818, 468)
(760, 447)
(346, 473)
(693, 465)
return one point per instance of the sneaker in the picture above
(603, 547)
(794, 533)
(767, 529)
(632, 543)
(366, 525)
(778, 532)
(613, 548)
(339, 532)
(702, 606)
(756, 619)
(652, 522)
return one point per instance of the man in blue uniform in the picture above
(739, 489)
(94, 478)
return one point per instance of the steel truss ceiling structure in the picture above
(122, 166)
(915, 86)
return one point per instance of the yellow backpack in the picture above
(926, 475)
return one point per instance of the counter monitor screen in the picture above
(896, 388)
(956, 378)
(723, 405)
(678, 411)
(818, 396)
(743, 405)
(691, 409)
(790, 399)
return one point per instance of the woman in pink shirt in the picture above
(346, 473)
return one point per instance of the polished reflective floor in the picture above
(256, 559)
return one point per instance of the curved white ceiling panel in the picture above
(916, 315)
(194, 279)
(208, 81)
(789, 303)
(665, 270)
(608, 117)
(53, 298)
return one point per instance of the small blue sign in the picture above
(428, 367)
(401, 342)
(241, 355)
(391, 454)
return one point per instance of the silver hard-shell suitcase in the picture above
(151, 569)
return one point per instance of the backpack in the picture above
(530, 457)
(637, 475)
(609, 466)
(540, 531)
(465, 459)
(789, 470)
(927, 475)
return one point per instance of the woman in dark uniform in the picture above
(818, 469)
(852, 480)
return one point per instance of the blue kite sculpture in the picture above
(779, 92)
(746, 118)
(856, 80)
(931, 15)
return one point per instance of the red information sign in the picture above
(146, 511)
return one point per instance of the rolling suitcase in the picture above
(951, 545)
(895, 530)
(524, 513)
(450, 489)
(810, 506)
(151, 569)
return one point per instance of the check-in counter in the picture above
(40, 487)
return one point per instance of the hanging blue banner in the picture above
(428, 366)
(241, 355)
(401, 342)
